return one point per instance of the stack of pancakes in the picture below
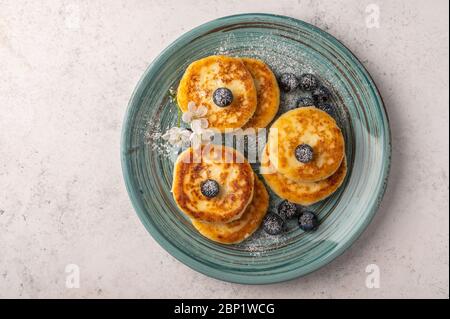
(254, 87)
(242, 200)
(236, 201)
(296, 181)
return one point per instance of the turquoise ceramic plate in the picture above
(286, 44)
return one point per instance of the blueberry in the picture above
(304, 153)
(327, 107)
(308, 221)
(287, 209)
(308, 82)
(321, 95)
(222, 97)
(273, 224)
(288, 82)
(210, 188)
(305, 101)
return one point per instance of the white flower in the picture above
(199, 124)
(200, 133)
(194, 113)
(177, 136)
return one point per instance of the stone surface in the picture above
(63, 200)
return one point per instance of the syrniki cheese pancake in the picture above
(220, 166)
(267, 91)
(303, 193)
(201, 80)
(314, 128)
(240, 229)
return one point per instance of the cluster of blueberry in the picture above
(275, 223)
(320, 94)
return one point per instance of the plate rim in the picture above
(178, 254)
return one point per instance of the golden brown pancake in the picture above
(267, 91)
(303, 193)
(240, 229)
(306, 125)
(204, 76)
(224, 165)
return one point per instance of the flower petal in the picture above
(204, 123)
(177, 136)
(186, 134)
(169, 133)
(201, 111)
(192, 107)
(196, 126)
(166, 135)
(186, 117)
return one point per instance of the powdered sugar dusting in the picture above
(153, 139)
(282, 57)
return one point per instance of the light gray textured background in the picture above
(67, 69)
